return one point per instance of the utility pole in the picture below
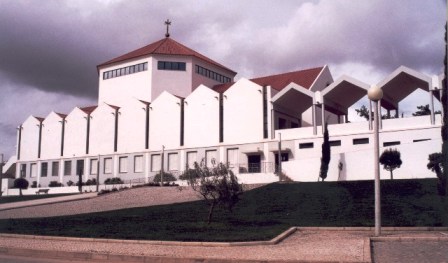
(279, 156)
(161, 165)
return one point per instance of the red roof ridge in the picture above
(39, 118)
(304, 78)
(166, 46)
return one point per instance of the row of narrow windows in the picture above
(125, 71)
(212, 75)
(170, 65)
(309, 145)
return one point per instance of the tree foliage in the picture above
(364, 112)
(21, 183)
(326, 155)
(391, 160)
(167, 177)
(217, 185)
(444, 129)
(423, 110)
(435, 165)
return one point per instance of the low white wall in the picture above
(257, 178)
(358, 165)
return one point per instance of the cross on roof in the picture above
(167, 23)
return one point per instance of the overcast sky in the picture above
(49, 49)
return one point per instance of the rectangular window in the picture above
(23, 170)
(385, 144)
(281, 123)
(33, 170)
(125, 71)
(43, 169)
(294, 125)
(55, 169)
(210, 158)
(123, 164)
(93, 166)
(421, 140)
(211, 74)
(191, 159)
(232, 157)
(335, 143)
(361, 141)
(170, 65)
(306, 145)
(138, 164)
(107, 165)
(155, 163)
(67, 167)
(173, 162)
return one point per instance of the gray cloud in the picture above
(49, 49)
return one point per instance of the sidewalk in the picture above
(304, 245)
(49, 200)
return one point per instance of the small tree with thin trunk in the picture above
(326, 155)
(391, 160)
(21, 183)
(217, 185)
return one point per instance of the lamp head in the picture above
(375, 93)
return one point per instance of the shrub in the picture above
(70, 183)
(21, 183)
(55, 184)
(113, 180)
(91, 181)
(34, 184)
(167, 177)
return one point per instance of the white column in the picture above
(115, 165)
(370, 114)
(431, 106)
(147, 167)
(323, 117)
(314, 119)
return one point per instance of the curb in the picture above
(46, 203)
(273, 241)
(408, 239)
(393, 228)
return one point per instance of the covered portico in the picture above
(292, 102)
(341, 95)
(400, 84)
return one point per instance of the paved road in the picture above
(17, 259)
(410, 252)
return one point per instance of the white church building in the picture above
(166, 98)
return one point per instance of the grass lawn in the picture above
(11, 199)
(262, 213)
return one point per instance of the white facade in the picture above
(180, 114)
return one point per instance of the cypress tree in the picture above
(326, 155)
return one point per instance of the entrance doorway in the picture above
(285, 158)
(254, 163)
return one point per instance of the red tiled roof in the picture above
(88, 109)
(166, 46)
(304, 78)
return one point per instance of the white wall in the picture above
(116, 90)
(30, 139)
(164, 127)
(202, 118)
(75, 133)
(51, 136)
(173, 81)
(132, 127)
(102, 130)
(243, 113)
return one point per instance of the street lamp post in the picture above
(375, 94)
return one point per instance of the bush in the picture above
(70, 183)
(91, 181)
(21, 183)
(113, 180)
(34, 184)
(167, 177)
(55, 184)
